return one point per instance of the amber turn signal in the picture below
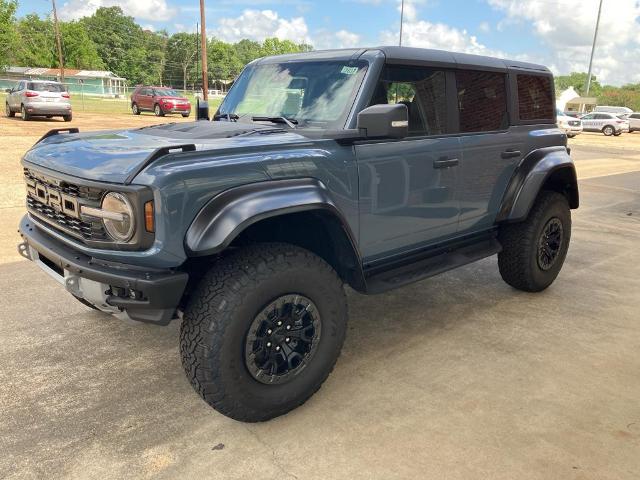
(148, 217)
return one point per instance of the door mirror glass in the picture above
(384, 121)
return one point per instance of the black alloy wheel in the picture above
(282, 339)
(550, 243)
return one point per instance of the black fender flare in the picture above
(230, 212)
(550, 164)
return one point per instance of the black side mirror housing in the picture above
(384, 121)
(8, 90)
(202, 110)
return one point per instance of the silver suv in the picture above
(634, 121)
(38, 97)
(607, 123)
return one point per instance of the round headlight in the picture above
(120, 229)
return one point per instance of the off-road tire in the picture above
(224, 305)
(157, 110)
(608, 130)
(518, 260)
(10, 113)
(135, 109)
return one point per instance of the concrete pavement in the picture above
(456, 377)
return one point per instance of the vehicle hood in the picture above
(111, 156)
(175, 99)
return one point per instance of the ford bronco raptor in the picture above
(370, 167)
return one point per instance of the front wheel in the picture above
(185, 115)
(263, 330)
(10, 113)
(135, 109)
(608, 130)
(158, 111)
(533, 251)
(617, 134)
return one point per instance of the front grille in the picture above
(57, 203)
(574, 123)
(75, 227)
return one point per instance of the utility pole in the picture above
(197, 52)
(593, 48)
(401, 21)
(203, 48)
(58, 41)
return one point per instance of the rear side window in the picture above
(535, 98)
(482, 100)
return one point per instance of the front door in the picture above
(408, 187)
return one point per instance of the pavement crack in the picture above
(274, 455)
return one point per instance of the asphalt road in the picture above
(456, 377)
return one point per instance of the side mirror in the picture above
(384, 121)
(8, 90)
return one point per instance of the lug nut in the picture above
(277, 349)
(269, 332)
(287, 339)
(268, 344)
(288, 327)
(279, 322)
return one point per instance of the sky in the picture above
(556, 33)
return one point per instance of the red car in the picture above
(159, 100)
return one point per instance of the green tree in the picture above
(181, 59)
(79, 50)
(8, 33)
(37, 42)
(275, 46)
(223, 62)
(120, 42)
(247, 50)
(578, 80)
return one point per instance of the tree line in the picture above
(110, 40)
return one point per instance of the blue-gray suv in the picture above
(373, 167)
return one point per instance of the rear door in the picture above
(490, 149)
(145, 99)
(408, 186)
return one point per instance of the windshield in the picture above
(165, 92)
(45, 87)
(314, 94)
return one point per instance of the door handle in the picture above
(445, 162)
(511, 153)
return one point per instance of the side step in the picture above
(382, 279)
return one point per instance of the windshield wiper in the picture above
(291, 122)
(228, 116)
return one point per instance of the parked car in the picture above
(610, 109)
(634, 121)
(159, 100)
(607, 123)
(374, 168)
(570, 125)
(33, 98)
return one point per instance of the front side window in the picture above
(165, 92)
(422, 90)
(315, 94)
(535, 97)
(482, 101)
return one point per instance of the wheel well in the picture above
(318, 231)
(564, 181)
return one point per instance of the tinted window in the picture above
(422, 90)
(634, 115)
(482, 100)
(46, 87)
(535, 98)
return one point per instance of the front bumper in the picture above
(128, 291)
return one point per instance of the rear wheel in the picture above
(185, 115)
(135, 109)
(10, 113)
(158, 111)
(608, 130)
(67, 118)
(263, 330)
(24, 114)
(533, 251)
